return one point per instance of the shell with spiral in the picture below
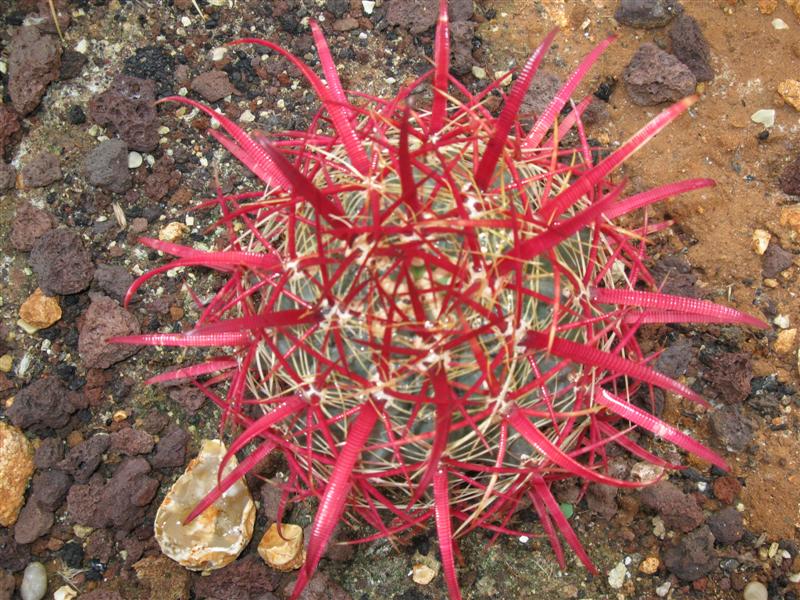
(435, 310)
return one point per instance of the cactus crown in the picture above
(435, 310)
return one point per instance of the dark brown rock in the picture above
(49, 488)
(61, 263)
(320, 587)
(420, 15)
(544, 87)
(106, 166)
(674, 275)
(653, 77)
(163, 180)
(8, 175)
(83, 459)
(690, 47)
(34, 61)
(33, 522)
(693, 557)
(679, 511)
(101, 595)
(213, 85)
(49, 452)
(790, 179)
(243, 579)
(7, 585)
(730, 377)
(602, 499)
(41, 170)
(132, 441)
(647, 14)
(461, 35)
(171, 450)
(114, 280)
(43, 403)
(775, 260)
(188, 396)
(727, 525)
(30, 223)
(13, 557)
(731, 429)
(72, 63)
(10, 130)
(104, 319)
(127, 108)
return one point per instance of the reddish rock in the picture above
(72, 63)
(49, 488)
(104, 319)
(7, 585)
(789, 181)
(101, 595)
(61, 263)
(114, 280)
(727, 525)
(213, 85)
(30, 223)
(320, 587)
(730, 376)
(726, 489)
(420, 15)
(132, 441)
(33, 522)
(544, 87)
(127, 108)
(693, 557)
(49, 452)
(43, 403)
(690, 46)
(83, 459)
(679, 511)
(775, 260)
(10, 130)
(99, 545)
(41, 170)
(243, 579)
(171, 450)
(163, 180)
(8, 175)
(653, 77)
(188, 396)
(34, 61)
(602, 499)
(461, 36)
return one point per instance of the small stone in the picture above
(34, 521)
(61, 263)
(127, 107)
(345, 24)
(789, 90)
(135, 160)
(764, 116)
(727, 525)
(105, 319)
(679, 511)
(663, 589)
(690, 46)
(731, 428)
(653, 77)
(776, 260)
(282, 548)
(247, 117)
(41, 170)
(106, 166)
(132, 441)
(779, 24)
(755, 590)
(649, 565)
(761, 240)
(45, 403)
(8, 174)
(784, 343)
(616, 576)
(172, 232)
(767, 7)
(65, 592)
(479, 72)
(693, 557)
(647, 14)
(29, 224)
(422, 574)
(217, 536)
(213, 85)
(368, 6)
(34, 62)
(114, 280)
(6, 363)
(170, 451)
(83, 459)
(726, 489)
(40, 311)
(16, 468)
(34, 582)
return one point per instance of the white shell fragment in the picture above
(765, 116)
(283, 550)
(779, 24)
(219, 534)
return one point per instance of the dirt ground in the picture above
(712, 236)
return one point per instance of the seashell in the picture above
(220, 533)
(283, 550)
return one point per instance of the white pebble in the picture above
(779, 24)
(765, 116)
(34, 582)
(479, 72)
(82, 46)
(755, 590)
(186, 21)
(65, 592)
(247, 117)
(369, 6)
(134, 160)
(616, 576)
(663, 589)
(782, 321)
(218, 53)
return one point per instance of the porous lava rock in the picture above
(8, 174)
(61, 262)
(127, 108)
(690, 46)
(41, 170)
(727, 525)
(106, 166)
(731, 428)
(693, 557)
(647, 14)
(83, 459)
(243, 579)
(34, 62)
(789, 181)
(45, 403)
(105, 319)
(10, 129)
(654, 76)
(420, 15)
(213, 85)
(677, 510)
(30, 223)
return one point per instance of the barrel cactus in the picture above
(435, 309)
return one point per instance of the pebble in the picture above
(65, 592)
(247, 117)
(34, 582)
(755, 590)
(789, 89)
(368, 5)
(6, 363)
(478, 72)
(16, 468)
(764, 116)
(172, 232)
(649, 565)
(654, 76)
(779, 24)
(616, 576)
(39, 311)
(663, 589)
(82, 46)
(106, 166)
(135, 160)
(761, 240)
(283, 549)
(784, 343)
(422, 574)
